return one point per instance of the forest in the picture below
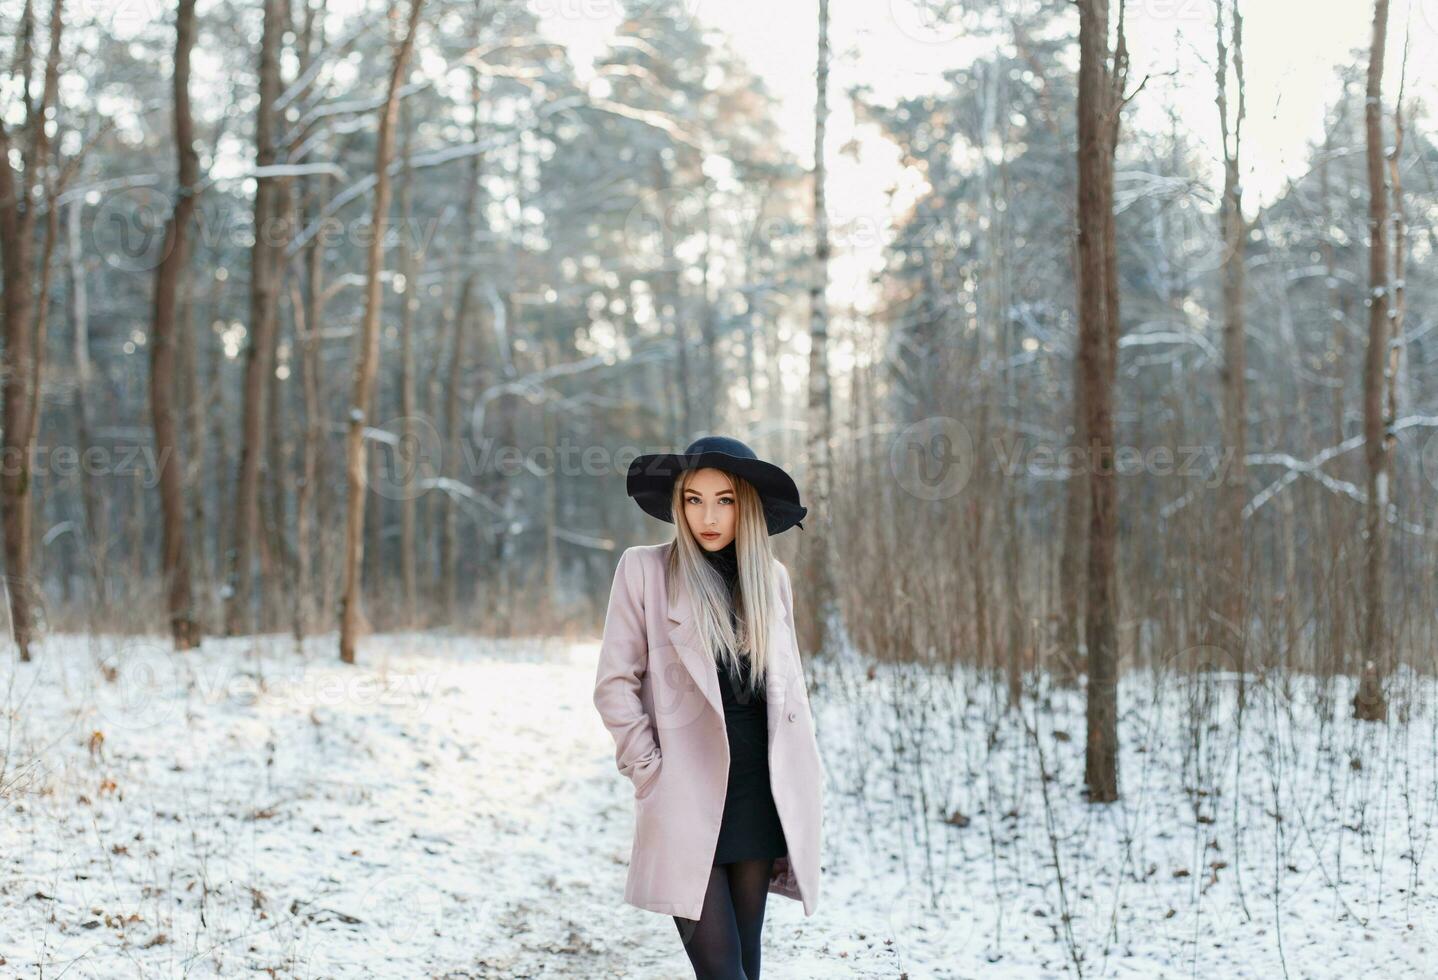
(329, 330)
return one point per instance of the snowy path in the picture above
(450, 808)
(447, 808)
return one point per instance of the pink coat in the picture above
(658, 694)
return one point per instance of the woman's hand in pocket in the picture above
(646, 777)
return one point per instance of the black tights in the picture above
(724, 943)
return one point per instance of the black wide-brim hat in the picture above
(651, 479)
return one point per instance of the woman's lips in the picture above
(709, 534)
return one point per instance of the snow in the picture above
(449, 807)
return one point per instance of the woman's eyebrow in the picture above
(717, 493)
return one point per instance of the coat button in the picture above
(791, 716)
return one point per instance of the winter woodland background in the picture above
(1099, 335)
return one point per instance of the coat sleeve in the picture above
(623, 660)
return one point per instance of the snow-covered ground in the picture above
(450, 808)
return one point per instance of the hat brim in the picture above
(650, 482)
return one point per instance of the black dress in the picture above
(750, 826)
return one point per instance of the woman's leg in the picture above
(712, 942)
(748, 890)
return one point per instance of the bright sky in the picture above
(1291, 48)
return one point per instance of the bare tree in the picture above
(409, 268)
(367, 349)
(264, 277)
(1099, 102)
(820, 416)
(460, 328)
(1230, 608)
(97, 535)
(1073, 554)
(1397, 347)
(175, 559)
(1369, 702)
(23, 316)
(308, 311)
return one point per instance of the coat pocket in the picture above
(646, 778)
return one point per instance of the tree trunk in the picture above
(408, 437)
(175, 557)
(1097, 120)
(508, 408)
(454, 425)
(1337, 306)
(263, 295)
(1370, 703)
(1073, 558)
(96, 537)
(454, 428)
(216, 411)
(668, 292)
(1398, 397)
(19, 361)
(820, 407)
(308, 306)
(714, 395)
(276, 564)
(1230, 632)
(367, 357)
(192, 431)
(552, 517)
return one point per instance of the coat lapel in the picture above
(684, 637)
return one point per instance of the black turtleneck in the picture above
(725, 561)
(737, 700)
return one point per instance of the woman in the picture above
(701, 686)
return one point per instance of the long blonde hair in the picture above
(754, 606)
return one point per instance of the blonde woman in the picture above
(700, 683)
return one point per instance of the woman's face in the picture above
(710, 507)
